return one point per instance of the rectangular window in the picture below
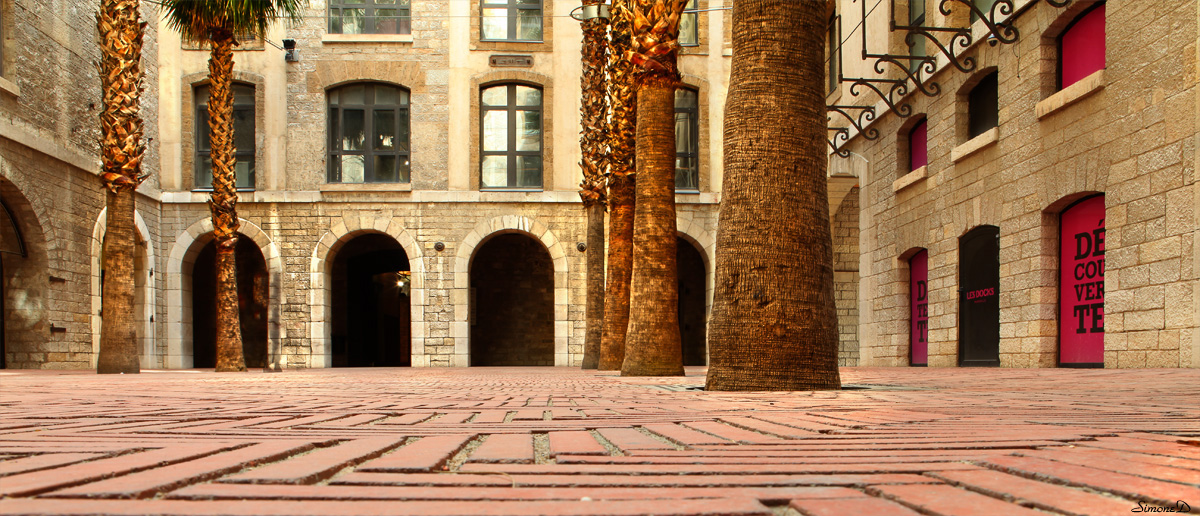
(368, 134)
(689, 29)
(243, 138)
(985, 6)
(983, 108)
(1081, 47)
(687, 140)
(918, 146)
(833, 54)
(916, 18)
(511, 20)
(370, 17)
(511, 137)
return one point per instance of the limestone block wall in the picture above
(1128, 132)
(845, 275)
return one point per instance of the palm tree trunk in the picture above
(592, 143)
(774, 323)
(224, 201)
(652, 346)
(622, 138)
(120, 28)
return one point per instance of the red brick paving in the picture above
(562, 441)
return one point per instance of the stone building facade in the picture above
(941, 184)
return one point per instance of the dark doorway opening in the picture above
(979, 297)
(252, 304)
(512, 305)
(692, 317)
(371, 323)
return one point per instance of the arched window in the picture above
(243, 137)
(918, 145)
(1081, 47)
(511, 139)
(687, 139)
(368, 134)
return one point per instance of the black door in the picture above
(979, 297)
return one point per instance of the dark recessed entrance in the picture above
(371, 323)
(691, 302)
(252, 304)
(979, 297)
(512, 305)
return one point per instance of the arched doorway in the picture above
(371, 322)
(979, 298)
(512, 303)
(252, 304)
(1081, 284)
(12, 247)
(692, 313)
(23, 269)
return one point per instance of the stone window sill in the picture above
(975, 144)
(909, 179)
(366, 187)
(366, 38)
(10, 87)
(1071, 94)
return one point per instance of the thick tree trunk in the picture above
(121, 148)
(620, 270)
(774, 324)
(652, 346)
(622, 140)
(118, 336)
(224, 201)
(592, 145)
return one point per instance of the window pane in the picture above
(495, 171)
(529, 130)
(243, 129)
(385, 21)
(204, 142)
(686, 176)
(916, 12)
(688, 32)
(385, 130)
(495, 131)
(529, 24)
(535, 2)
(685, 99)
(529, 171)
(353, 21)
(353, 130)
(385, 169)
(385, 2)
(353, 94)
(352, 169)
(335, 21)
(245, 172)
(983, 112)
(495, 24)
(243, 95)
(204, 172)
(334, 124)
(527, 96)
(385, 95)
(405, 169)
(496, 96)
(402, 135)
(683, 133)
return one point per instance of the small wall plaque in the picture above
(508, 61)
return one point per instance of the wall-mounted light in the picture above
(289, 48)
(439, 247)
(581, 247)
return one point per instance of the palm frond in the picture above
(195, 20)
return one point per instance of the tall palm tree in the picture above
(121, 149)
(593, 189)
(774, 324)
(215, 22)
(621, 147)
(652, 345)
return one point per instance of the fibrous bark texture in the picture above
(622, 138)
(593, 190)
(121, 149)
(224, 200)
(774, 322)
(652, 345)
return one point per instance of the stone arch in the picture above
(342, 230)
(25, 324)
(460, 329)
(149, 306)
(184, 250)
(700, 238)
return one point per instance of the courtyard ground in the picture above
(902, 441)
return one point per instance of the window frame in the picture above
(919, 45)
(833, 59)
(691, 5)
(200, 120)
(334, 151)
(514, 8)
(694, 143)
(369, 19)
(511, 152)
(1058, 42)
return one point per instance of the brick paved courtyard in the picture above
(564, 441)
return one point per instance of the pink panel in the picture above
(1081, 295)
(918, 145)
(918, 267)
(1083, 47)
